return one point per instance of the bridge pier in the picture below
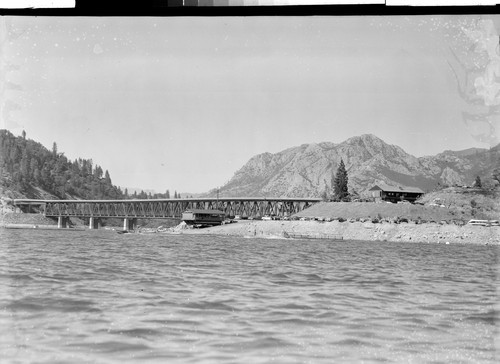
(62, 222)
(94, 223)
(129, 224)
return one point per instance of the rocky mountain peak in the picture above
(308, 170)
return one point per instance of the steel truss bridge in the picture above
(167, 208)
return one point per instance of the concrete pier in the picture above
(94, 223)
(129, 224)
(62, 222)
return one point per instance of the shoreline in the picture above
(389, 232)
(335, 230)
(40, 227)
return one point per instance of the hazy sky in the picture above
(182, 103)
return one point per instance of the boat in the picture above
(484, 222)
(124, 232)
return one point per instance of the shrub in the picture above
(341, 219)
(375, 220)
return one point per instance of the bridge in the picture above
(131, 210)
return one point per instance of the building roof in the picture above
(385, 187)
(199, 211)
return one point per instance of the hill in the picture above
(436, 206)
(307, 170)
(30, 170)
(390, 211)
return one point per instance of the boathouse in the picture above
(203, 217)
(384, 192)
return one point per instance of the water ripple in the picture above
(104, 297)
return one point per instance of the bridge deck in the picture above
(170, 208)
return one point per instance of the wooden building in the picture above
(203, 217)
(384, 192)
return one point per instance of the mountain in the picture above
(307, 170)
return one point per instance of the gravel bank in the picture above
(403, 232)
(11, 218)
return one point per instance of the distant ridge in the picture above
(465, 152)
(307, 170)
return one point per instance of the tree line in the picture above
(26, 165)
(143, 195)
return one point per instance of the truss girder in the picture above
(174, 208)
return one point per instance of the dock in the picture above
(313, 236)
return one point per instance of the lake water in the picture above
(101, 297)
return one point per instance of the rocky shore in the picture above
(10, 218)
(402, 232)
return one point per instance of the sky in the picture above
(183, 103)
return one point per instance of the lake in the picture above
(100, 297)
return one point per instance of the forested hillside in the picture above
(28, 168)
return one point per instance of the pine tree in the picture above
(107, 177)
(98, 171)
(340, 183)
(168, 194)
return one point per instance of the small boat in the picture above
(124, 232)
(484, 222)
